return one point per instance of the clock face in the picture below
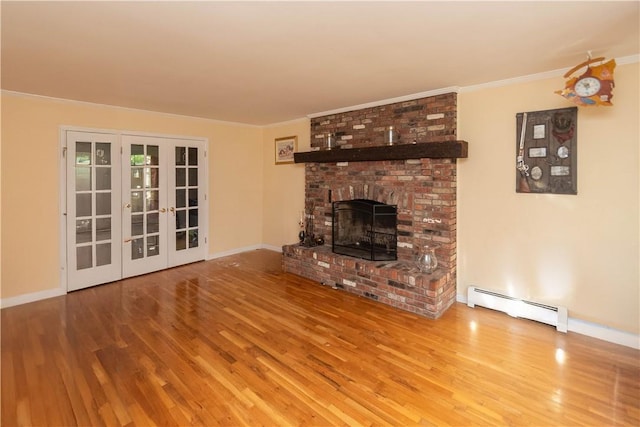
(587, 86)
(593, 87)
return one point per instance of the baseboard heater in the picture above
(555, 316)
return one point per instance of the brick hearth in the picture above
(396, 283)
(424, 191)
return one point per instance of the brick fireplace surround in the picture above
(423, 189)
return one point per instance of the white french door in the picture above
(135, 204)
(92, 213)
(163, 201)
(145, 204)
(187, 202)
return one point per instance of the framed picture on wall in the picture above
(284, 149)
(546, 151)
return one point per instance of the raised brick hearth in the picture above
(424, 191)
(396, 283)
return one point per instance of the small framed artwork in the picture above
(284, 149)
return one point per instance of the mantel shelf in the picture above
(431, 150)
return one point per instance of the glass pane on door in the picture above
(84, 257)
(103, 254)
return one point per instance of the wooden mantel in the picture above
(433, 150)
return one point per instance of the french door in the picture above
(92, 211)
(135, 204)
(144, 205)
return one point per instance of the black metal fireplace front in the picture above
(365, 229)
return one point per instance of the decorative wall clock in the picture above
(593, 87)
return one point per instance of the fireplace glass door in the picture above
(365, 229)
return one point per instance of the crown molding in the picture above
(410, 97)
(287, 122)
(457, 89)
(463, 89)
(116, 107)
(538, 76)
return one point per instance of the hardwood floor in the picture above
(236, 341)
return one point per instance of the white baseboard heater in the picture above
(555, 316)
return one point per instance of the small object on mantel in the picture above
(390, 136)
(423, 150)
(330, 141)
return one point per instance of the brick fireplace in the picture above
(418, 174)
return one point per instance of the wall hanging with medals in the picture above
(546, 156)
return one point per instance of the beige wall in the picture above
(283, 185)
(30, 181)
(577, 251)
(0, 198)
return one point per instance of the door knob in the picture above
(163, 210)
(127, 205)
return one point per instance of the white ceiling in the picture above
(268, 62)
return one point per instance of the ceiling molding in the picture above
(539, 76)
(457, 89)
(464, 89)
(117, 107)
(285, 123)
(386, 101)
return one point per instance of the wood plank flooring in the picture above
(236, 341)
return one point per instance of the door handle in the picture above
(127, 205)
(163, 210)
(173, 210)
(127, 240)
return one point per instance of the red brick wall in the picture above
(429, 119)
(423, 189)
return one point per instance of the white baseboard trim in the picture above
(593, 330)
(222, 254)
(578, 326)
(604, 333)
(243, 249)
(32, 297)
(50, 293)
(272, 248)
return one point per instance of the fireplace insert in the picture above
(365, 229)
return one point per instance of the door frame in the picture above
(62, 187)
